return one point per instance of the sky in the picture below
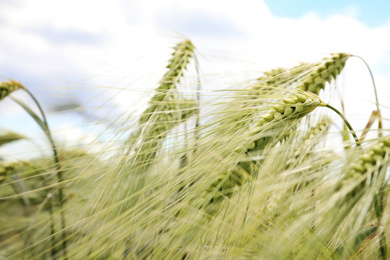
(372, 13)
(96, 52)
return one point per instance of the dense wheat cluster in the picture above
(249, 175)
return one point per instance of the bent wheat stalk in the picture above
(6, 88)
(380, 130)
(346, 123)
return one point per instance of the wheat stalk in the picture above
(7, 88)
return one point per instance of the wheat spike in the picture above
(166, 108)
(165, 93)
(7, 88)
(369, 162)
(291, 108)
(7, 168)
(329, 68)
(9, 137)
(306, 76)
(281, 77)
(307, 143)
(281, 114)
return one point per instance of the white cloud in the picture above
(137, 36)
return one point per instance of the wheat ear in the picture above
(270, 83)
(307, 143)
(292, 108)
(7, 168)
(329, 68)
(281, 77)
(370, 170)
(369, 162)
(309, 77)
(166, 109)
(9, 137)
(166, 90)
(7, 88)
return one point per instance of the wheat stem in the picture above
(379, 209)
(346, 123)
(197, 123)
(380, 127)
(44, 126)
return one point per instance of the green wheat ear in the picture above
(7, 168)
(167, 107)
(308, 77)
(165, 93)
(6, 88)
(328, 69)
(281, 77)
(372, 160)
(305, 146)
(291, 109)
(359, 242)
(9, 137)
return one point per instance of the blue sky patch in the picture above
(372, 13)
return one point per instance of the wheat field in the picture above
(258, 170)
